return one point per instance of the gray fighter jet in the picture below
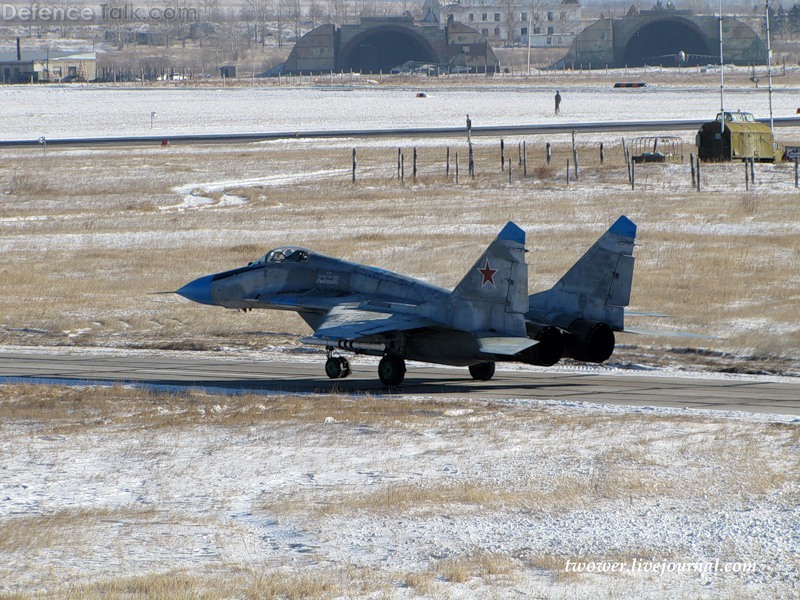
(488, 317)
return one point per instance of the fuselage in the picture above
(304, 281)
(312, 284)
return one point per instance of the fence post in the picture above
(524, 160)
(398, 163)
(354, 165)
(602, 154)
(567, 172)
(502, 155)
(414, 169)
(575, 155)
(456, 167)
(627, 157)
(691, 162)
(447, 168)
(471, 162)
(698, 173)
(746, 176)
(796, 182)
(548, 153)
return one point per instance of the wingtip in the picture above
(512, 233)
(624, 226)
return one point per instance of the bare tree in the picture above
(257, 13)
(315, 13)
(365, 8)
(208, 9)
(339, 11)
(116, 26)
(230, 41)
(511, 10)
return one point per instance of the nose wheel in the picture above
(337, 367)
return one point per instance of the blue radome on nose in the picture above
(198, 290)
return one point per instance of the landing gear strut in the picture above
(482, 371)
(391, 370)
(336, 367)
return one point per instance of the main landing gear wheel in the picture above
(337, 367)
(482, 371)
(392, 370)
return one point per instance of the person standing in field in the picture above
(558, 102)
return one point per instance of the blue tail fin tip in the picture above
(624, 226)
(512, 233)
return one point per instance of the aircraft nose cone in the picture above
(198, 290)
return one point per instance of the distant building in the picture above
(546, 23)
(38, 66)
(385, 44)
(228, 71)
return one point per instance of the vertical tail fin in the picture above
(596, 288)
(492, 296)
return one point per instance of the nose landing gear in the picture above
(336, 367)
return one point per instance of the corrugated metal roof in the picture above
(29, 55)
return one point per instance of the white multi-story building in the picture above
(548, 23)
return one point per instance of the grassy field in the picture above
(132, 493)
(88, 234)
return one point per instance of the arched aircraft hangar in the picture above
(381, 43)
(667, 38)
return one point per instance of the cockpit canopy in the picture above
(283, 254)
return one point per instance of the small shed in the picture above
(735, 136)
(228, 72)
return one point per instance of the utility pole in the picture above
(769, 72)
(721, 76)
(530, 24)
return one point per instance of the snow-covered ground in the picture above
(391, 497)
(75, 111)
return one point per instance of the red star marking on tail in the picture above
(488, 274)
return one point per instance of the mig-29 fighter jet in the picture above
(488, 317)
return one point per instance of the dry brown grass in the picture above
(178, 585)
(732, 282)
(516, 461)
(68, 409)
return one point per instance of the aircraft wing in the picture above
(350, 322)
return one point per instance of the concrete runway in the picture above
(737, 394)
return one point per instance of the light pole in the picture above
(769, 72)
(721, 76)
(530, 24)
